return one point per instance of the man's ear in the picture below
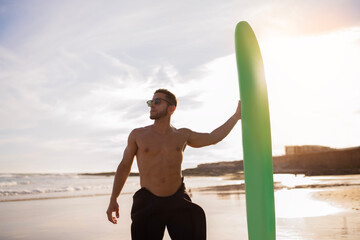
(172, 108)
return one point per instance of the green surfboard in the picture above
(258, 168)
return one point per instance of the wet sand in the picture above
(348, 198)
(307, 214)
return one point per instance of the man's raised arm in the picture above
(122, 173)
(206, 139)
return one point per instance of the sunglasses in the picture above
(156, 101)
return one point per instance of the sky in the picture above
(75, 76)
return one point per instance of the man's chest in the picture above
(155, 144)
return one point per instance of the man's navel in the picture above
(146, 150)
(178, 149)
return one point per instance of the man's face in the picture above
(159, 110)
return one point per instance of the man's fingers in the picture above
(112, 210)
(110, 217)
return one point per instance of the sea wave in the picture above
(23, 187)
(8, 183)
(16, 192)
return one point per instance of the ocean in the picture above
(22, 187)
(16, 187)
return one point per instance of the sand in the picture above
(85, 218)
(348, 198)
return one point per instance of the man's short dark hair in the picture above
(169, 95)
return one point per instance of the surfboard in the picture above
(256, 135)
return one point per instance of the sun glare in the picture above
(312, 80)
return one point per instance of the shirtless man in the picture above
(162, 200)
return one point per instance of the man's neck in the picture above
(162, 125)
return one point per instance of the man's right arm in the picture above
(205, 139)
(122, 173)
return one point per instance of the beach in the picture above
(313, 212)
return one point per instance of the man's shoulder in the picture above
(140, 130)
(184, 130)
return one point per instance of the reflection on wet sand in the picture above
(293, 203)
(298, 203)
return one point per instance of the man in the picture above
(162, 200)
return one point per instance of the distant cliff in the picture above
(215, 169)
(333, 161)
(325, 161)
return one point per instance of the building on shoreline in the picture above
(293, 150)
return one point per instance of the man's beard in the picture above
(159, 114)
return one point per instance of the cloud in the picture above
(143, 36)
(75, 75)
(190, 100)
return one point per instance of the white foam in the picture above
(8, 183)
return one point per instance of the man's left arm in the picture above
(205, 139)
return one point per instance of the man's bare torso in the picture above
(159, 157)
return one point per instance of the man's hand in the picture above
(237, 114)
(113, 207)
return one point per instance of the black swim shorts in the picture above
(150, 215)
